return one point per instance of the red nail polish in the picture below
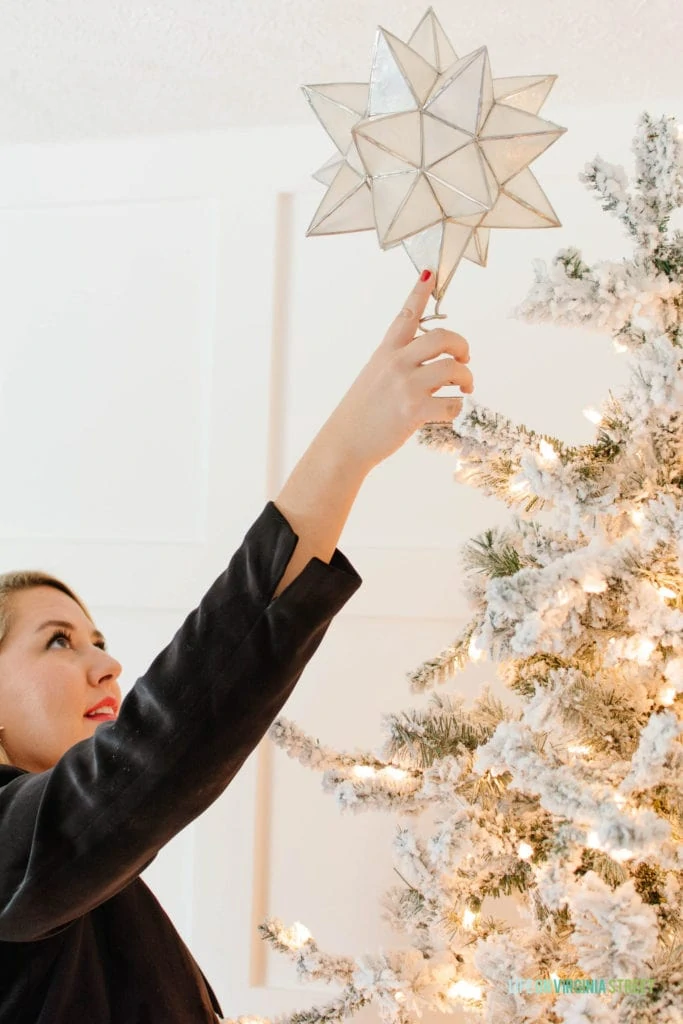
(426, 274)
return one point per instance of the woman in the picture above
(84, 810)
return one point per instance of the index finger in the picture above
(402, 329)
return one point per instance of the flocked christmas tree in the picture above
(575, 803)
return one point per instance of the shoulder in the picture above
(9, 772)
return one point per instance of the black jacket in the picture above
(83, 940)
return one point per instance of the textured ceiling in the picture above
(93, 69)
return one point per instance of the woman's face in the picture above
(47, 683)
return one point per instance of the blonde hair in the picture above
(11, 583)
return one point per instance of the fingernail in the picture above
(426, 274)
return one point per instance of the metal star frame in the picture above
(432, 152)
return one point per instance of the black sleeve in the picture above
(76, 834)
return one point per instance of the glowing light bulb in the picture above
(524, 851)
(619, 346)
(667, 695)
(548, 453)
(468, 918)
(621, 855)
(594, 583)
(300, 935)
(593, 415)
(393, 773)
(400, 997)
(578, 748)
(458, 465)
(665, 593)
(464, 990)
(562, 596)
(475, 653)
(364, 771)
(619, 799)
(593, 841)
(637, 516)
(645, 649)
(518, 486)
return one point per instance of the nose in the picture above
(103, 666)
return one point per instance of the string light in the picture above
(593, 415)
(645, 649)
(366, 771)
(400, 997)
(619, 799)
(619, 346)
(475, 653)
(524, 851)
(468, 918)
(594, 583)
(518, 486)
(637, 516)
(666, 592)
(464, 990)
(562, 596)
(578, 748)
(621, 855)
(300, 935)
(547, 452)
(667, 695)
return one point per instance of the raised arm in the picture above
(387, 402)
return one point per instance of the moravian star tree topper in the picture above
(432, 152)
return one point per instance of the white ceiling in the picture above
(92, 69)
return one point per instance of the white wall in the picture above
(171, 342)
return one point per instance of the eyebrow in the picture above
(96, 635)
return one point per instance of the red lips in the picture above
(108, 701)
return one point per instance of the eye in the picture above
(59, 634)
(64, 635)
